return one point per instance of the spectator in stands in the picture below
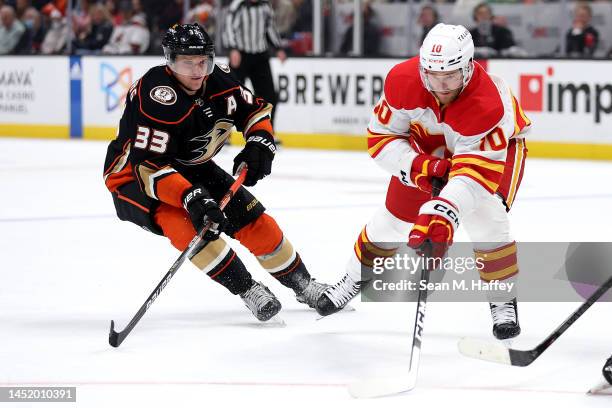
(59, 5)
(202, 13)
(428, 17)
(489, 37)
(303, 10)
(97, 34)
(113, 10)
(284, 11)
(162, 14)
(371, 34)
(581, 40)
(137, 8)
(171, 14)
(11, 30)
(130, 38)
(20, 8)
(57, 35)
(81, 19)
(35, 28)
(122, 10)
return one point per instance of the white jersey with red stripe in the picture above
(473, 131)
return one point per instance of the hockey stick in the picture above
(497, 353)
(395, 385)
(116, 338)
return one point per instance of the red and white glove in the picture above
(424, 168)
(437, 221)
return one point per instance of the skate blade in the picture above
(347, 308)
(274, 322)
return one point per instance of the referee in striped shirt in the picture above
(250, 31)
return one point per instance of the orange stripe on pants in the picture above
(175, 224)
(262, 236)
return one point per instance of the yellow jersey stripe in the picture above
(473, 173)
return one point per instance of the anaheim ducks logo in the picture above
(163, 94)
(206, 146)
(224, 67)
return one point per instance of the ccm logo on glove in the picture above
(447, 212)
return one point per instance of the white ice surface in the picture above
(68, 267)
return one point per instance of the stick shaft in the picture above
(419, 321)
(116, 338)
(573, 317)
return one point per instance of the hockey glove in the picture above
(198, 202)
(437, 221)
(258, 155)
(425, 167)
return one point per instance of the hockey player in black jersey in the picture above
(162, 177)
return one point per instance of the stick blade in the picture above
(380, 387)
(113, 336)
(484, 350)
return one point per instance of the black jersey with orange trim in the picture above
(165, 133)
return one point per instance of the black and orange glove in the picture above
(437, 221)
(201, 206)
(258, 154)
(425, 167)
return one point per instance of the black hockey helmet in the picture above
(188, 39)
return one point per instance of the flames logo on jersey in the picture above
(425, 142)
(209, 144)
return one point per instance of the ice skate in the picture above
(261, 302)
(336, 297)
(505, 319)
(311, 293)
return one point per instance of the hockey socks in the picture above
(219, 261)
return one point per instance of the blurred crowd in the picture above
(91, 27)
(136, 26)
(493, 38)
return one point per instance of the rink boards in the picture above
(323, 103)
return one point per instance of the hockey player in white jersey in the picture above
(442, 115)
